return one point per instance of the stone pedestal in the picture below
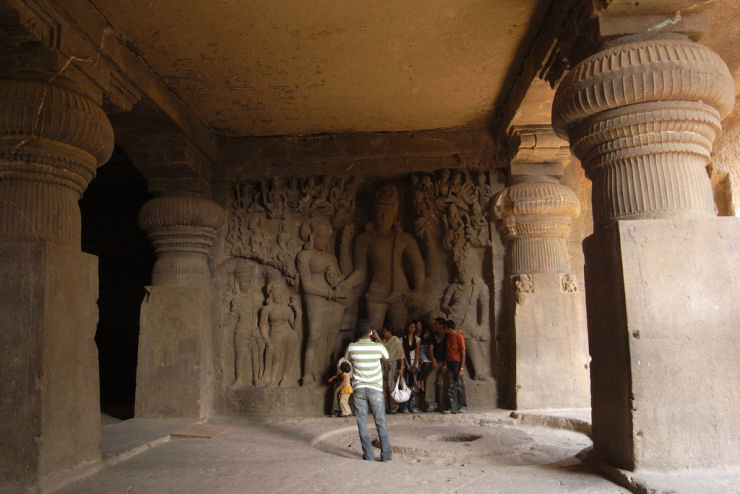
(49, 404)
(171, 374)
(663, 318)
(551, 361)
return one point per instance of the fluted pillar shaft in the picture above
(641, 115)
(51, 141)
(181, 229)
(536, 214)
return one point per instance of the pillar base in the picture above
(172, 375)
(49, 404)
(662, 319)
(551, 353)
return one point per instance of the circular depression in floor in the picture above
(446, 443)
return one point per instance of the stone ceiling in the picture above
(255, 67)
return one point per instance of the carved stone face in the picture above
(321, 237)
(279, 294)
(464, 269)
(386, 207)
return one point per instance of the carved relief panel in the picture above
(303, 262)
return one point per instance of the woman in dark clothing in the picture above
(411, 344)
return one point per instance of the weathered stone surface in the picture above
(662, 316)
(173, 370)
(50, 420)
(551, 360)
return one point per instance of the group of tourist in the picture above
(431, 362)
(427, 360)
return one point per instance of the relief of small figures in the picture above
(467, 303)
(277, 326)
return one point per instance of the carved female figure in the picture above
(277, 325)
(324, 288)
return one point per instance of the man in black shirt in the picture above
(434, 383)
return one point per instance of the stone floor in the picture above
(491, 452)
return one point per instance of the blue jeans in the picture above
(372, 398)
(456, 391)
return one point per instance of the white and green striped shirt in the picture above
(365, 356)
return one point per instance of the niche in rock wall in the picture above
(304, 258)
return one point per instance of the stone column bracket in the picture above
(182, 230)
(535, 217)
(641, 115)
(52, 139)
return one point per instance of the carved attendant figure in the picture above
(248, 342)
(382, 251)
(324, 286)
(278, 327)
(467, 303)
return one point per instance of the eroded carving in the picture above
(466, 301)
(278, 328)
(569, 283)
(523, 285)
(249, 342)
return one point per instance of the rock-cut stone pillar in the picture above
(52, 138)
(174, 376)
(550, 359)
(661, 270)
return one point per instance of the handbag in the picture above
(401, 393)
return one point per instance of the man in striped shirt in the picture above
(367, 381)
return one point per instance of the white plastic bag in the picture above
(401, 393)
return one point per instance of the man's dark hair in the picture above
(345, 367)
(440, 320)
(363, 327)
(450, 324)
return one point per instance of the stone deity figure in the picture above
(248, 342)
(467, 303)
(325, 288)
(380, 253)
(277, 325)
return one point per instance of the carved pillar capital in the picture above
(535, 215)
(182, 229)
(51, 141)
(641, 114)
